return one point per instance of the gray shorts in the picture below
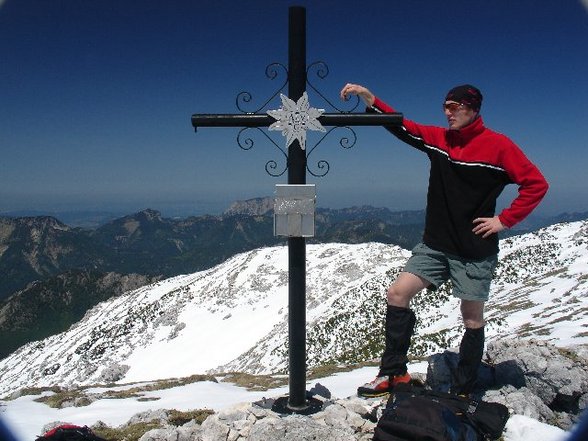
(470, 278)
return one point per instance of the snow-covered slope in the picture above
(234, 316)
(541, 288)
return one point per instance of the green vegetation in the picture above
(255, 382)
(78, 397)
(178, 418)
(133, 432)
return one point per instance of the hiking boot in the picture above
(381, 385)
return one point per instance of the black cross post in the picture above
(297, 165)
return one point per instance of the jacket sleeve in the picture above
(414, 134)
(532, 186)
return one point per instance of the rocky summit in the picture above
(516, 375)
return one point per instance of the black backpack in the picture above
(417, 414)
(70, 432)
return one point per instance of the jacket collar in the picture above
(464, 135)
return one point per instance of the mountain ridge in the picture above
(34, 248)
(234, 316)
(37, 254)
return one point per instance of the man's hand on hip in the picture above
(487, 226)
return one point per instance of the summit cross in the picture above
(293, 119)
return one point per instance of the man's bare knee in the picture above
(404, 288)
(396, 297)
(473, 324)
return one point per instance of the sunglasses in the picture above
(452, 107)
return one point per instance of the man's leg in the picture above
(400, 322)
(471, 348)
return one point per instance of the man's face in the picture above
(458, 115)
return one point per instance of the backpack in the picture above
(417, 414)
(70, 432)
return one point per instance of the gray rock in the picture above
(113, 373)
(521, 401)
(558, 377)
(297, 428)
(160, 435)
(214, 429)
(188, 432)
(160, 415)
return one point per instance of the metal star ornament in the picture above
(295, 118)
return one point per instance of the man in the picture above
(470, 166)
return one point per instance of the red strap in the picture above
(63, 426)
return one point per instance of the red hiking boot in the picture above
(381, 385)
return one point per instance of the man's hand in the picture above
(487, 226)
(356, 89)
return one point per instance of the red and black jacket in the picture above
(469, 169)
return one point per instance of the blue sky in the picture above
(96, 96)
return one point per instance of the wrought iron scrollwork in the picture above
(322, 165)
(247, 143)
(321, 70)
(271, 72)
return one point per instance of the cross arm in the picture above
(326, 119)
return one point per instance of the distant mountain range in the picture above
(52, 272)
(46, 262)
(37, 248)
(254, 207)
(234, 316)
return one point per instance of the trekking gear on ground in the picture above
(417, 414)
(70, 432)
